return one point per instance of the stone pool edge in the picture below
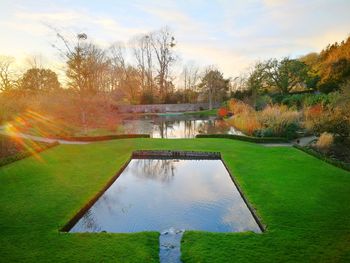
(252, 210)
(71, 223)
(166, 154)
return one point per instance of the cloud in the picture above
(224, 57)
(229, 34)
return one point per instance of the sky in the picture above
(228, 34)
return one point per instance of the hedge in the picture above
(102, 138)
(21, 155)
(245, 138)
(340, 164)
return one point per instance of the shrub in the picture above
(222, 112)
(305, 100)
(293, 100)
(291, 131)
(334, 119)
(312, 117)
(247, 122)
(262, 102)
(324, 142)
(280, 120)
(237, 107)
(244, 117)
(273, 120)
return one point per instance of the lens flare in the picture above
(24, 128)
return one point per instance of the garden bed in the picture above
(12, 150)
(332, 157)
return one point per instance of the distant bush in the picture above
(273, 120)
(244, 117)
(237, 107)
(280, 120)
(247, 122)
(333, 118)
(222, 112)
(262, 102)
(299, 101)
(324, 142)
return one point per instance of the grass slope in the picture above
(203, 113)
(302, 200)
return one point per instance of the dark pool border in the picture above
(250, 207)
(164, 154)
(174, 154)
(71, 223)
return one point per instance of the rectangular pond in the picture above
(159, 194)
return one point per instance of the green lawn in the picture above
(303, 201)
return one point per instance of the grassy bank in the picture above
(203, 113)
(301, 199)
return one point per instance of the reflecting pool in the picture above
(158, 194)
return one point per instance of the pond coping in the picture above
(162, 154)
(151, 154)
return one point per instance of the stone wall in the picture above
(161, 108)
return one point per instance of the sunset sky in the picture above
(229, 34)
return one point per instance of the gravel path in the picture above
(303, 141)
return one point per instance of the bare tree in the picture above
(163, 43)
(190, 77)
(6, 74)
(118, 66)
(35, 61)
(142, 50)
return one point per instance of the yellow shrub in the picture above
(325, 141)
(277, 117)
(247, 122)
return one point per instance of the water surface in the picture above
(159, 194)
(175, 126)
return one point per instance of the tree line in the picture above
(324, 72)
(137, 72)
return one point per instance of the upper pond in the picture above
(175, 126)
(159, 194)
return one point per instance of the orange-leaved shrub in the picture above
(237, 106)
(222, 112)
(244, 117)
(312, 117)
(273, 120)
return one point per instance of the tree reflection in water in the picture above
(157, 194)
(180, 126)
(90, 222)
(162, 170)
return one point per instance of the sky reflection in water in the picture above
(176, 126)
(155, 194)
